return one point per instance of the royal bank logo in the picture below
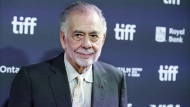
(24, 25)
(164, 105)
(173, 2)
(131, 72)
(160, 34)
(5, 69)
(168, 73)
(124, 32)
(172, 36)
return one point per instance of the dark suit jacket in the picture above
(46, 85)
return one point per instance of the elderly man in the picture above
(74, 78)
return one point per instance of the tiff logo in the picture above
(168, 73)
(24, 25)
(164, 105)
(125, 32)
(172, 2)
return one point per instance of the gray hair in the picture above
(82, 7)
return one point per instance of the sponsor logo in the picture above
(174, 35)
(168, 73)
(174, 2)
(131, 72)
(160, 34)
(165, 105)
(13, 69)
(177, 33)
(24, 25)
(125, 32)
(129, 105)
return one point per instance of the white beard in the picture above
(82, 61)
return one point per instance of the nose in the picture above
(86, 43)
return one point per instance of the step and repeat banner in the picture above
(149, 40)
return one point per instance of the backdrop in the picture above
(149, 40)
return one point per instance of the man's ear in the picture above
(104, 38)
(63, 39)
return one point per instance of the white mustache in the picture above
(85, 51)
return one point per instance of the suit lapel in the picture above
(99, 85)
(60, 86)
(59, 82)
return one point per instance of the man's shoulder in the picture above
(43, 65)
(47, 62)
(39, 65)
(110, 71)
(108, 67)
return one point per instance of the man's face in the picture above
(84, 39)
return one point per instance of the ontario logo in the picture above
(5, 69)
